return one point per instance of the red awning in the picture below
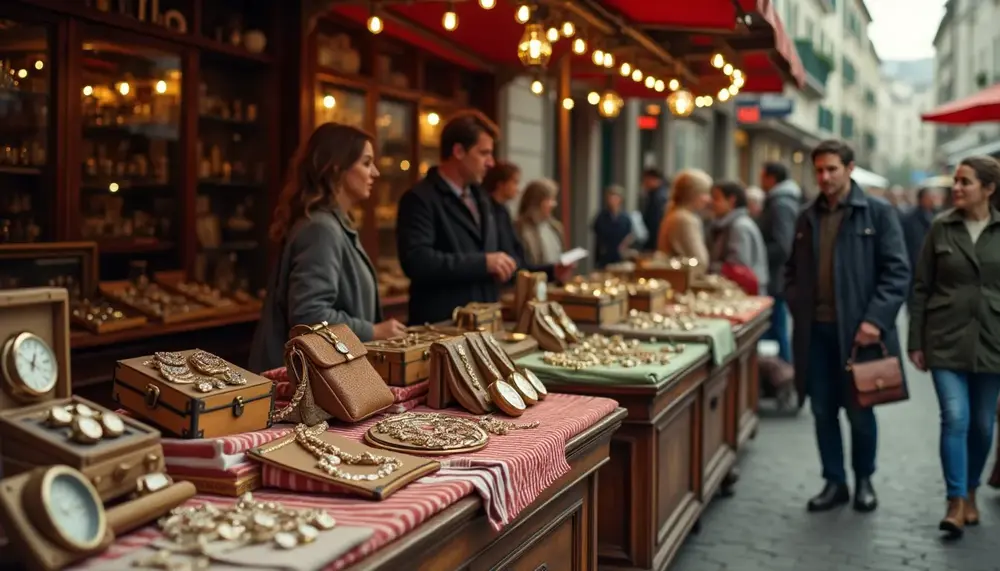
(980, 107)
(681, 16)
(784, 55)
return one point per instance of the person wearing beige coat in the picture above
(682, 232)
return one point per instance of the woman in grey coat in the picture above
(323, 274)
(735, 237)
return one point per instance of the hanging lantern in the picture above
(610, 104)
(534, 50)
(681, 103)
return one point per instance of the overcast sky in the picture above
(904, 29)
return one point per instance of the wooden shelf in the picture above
(30, 171)
(84, 339)
(133, 245)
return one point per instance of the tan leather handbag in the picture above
(333, 376)
(877, 382)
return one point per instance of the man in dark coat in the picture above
(446, 231)
(777, 226)
(845, 281)
(917, 222)
(654, 204)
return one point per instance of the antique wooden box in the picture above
(112, 464)
(479, 317)
(405, 360)
(41, 314)
(649, 294)
(679, 272)
(182, 410)
(592, 302)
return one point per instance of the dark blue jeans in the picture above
(829, 388)
(968, 404)
(779, 329)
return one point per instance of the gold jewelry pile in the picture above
(432, 430)
(97, 311)
(610, 287)
(202, 369)
(192, 530)
(719, 304)
(598, 350)
(87, 426)
(331, 457)
(658, 321)
(408, 340)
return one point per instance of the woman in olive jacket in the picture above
(955, 330)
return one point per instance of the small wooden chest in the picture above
(406, 360)
(479, 317)
(596, 304)
(112, 464)
(650, 295)
(181, 410)
(679, 272)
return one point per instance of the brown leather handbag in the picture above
(334, 377)
(877, 382)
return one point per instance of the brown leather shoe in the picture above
(954, 520)
(971, 510)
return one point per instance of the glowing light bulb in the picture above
(433, 118)
(161, 86)
(637, 75)
(124, 88)
(579, 46)
(593, 98)
(568, 29)
(523, 14)
(718, 61)
(609, 59)
(598, 57)
(727, 69)
(537, 88)
(650, 81)
(487, 4)
(568, 103)
(375, 24)
(88, 90)
(674, 85)
(113, 187)
(329, 102)
(552, 34)
(22, 73)
(450, 21)
(723, 95)
(39, 65)
(625, 69)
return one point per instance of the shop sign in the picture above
(753, 109)
(647, 122)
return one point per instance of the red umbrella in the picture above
(977, 108)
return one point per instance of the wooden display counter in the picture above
(674, 451)
(557, 531)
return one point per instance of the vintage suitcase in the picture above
(591, 302)
(181, 410)
(479, 317)
(405, 360)
(649, 294)
(113, 464)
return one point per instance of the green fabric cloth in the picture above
(716, 332)
(649, 375)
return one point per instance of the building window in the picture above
(846, 126)
(849, 74)
(870, 97)
(826, 119)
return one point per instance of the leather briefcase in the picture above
(877, 382)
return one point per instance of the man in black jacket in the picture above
(777, 224)
(654, 204)
(446, 230)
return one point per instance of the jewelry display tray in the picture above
(182, 411)
(286, 455)
(586, 308)
(113, 464)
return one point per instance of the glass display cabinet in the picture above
(394, 152)
(25, 88)
(130, 151)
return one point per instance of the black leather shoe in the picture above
(833, 495)
(865, 499)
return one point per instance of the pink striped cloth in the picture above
(508, 475)
(511, 471)
(405, 397)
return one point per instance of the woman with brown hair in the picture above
(682, 232)
(322, 274)
(539, 231)
(955, 330)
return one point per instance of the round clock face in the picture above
(511, 395)
(35, 367)
(74, 509)
(535, 381)
(523, 386)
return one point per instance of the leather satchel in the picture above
(877, 382)
(334, 378)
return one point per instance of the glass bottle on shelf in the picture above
(131, 106)
(25, 85)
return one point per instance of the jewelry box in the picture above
(34, 346)
(194, 394)
(479, 317)
(679, 272)
(112, 450)
(404, 361)
(592, 302)
(649, 294)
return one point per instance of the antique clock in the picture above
(34, 346)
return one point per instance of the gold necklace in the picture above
(432, 430)
(481, 349)
(503, 427)
(468, 366)
(501, 354)
(599, 350)
(331, 457)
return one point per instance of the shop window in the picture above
(334, 104)
(395, 155)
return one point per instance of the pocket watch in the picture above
(524, 388)
(507, 398)
(64, 506)
(29, 366)
(536, 383)
(86, 430)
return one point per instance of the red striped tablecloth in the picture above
(508, 474)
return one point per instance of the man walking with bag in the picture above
(845, 281)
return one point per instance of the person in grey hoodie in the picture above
(735, 237)
(777, 225)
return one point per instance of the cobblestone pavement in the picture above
(765, 527)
